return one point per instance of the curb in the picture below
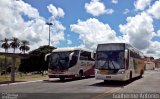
(20, 83)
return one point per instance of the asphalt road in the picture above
(87, 88)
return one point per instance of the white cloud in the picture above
(158, 33)
(56, 12)
(126, 11)
(139, 30)
(96, 8)
(141, 4)
(114, 1)
(155, 9)
(153, 50)
(93, 32)
(26, 9)
(34, 30)
(109, 11)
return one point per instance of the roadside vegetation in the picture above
(36, 62)
(32, 67)
(21, 78)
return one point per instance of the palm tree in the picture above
(5, 44)
(14, 44)
(24, 46)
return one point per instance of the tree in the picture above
(5, 44)
(36, 60)
(42, 50)
(14, 44)
(24, 46)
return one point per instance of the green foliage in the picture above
(15, 43)
(42, 50)
(4, 66)
(36, 61)
(5, 44)
(24, 46)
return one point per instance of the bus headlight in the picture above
(98, 72)
(49, 70)
(121, 72)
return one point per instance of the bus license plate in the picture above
(103, 72)
(108, 76)
(56, 75)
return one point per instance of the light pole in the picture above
(49, 24)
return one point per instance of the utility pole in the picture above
(13, 69)
(49, 24)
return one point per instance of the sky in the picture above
(83, 23)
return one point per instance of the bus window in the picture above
(127, 60)
(74, 58)
(85, 56)
(94, 55)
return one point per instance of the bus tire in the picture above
(141, 73)
(62, 79)
(105, 81)
(80, 74)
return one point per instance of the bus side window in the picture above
(85, 55)
(94, 55)
(134, 55)
(127, 60)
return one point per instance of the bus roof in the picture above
(71, 49)
(113, 43)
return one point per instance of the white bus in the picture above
(70, 62)
(118, 61)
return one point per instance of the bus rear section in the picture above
(114, 62)
(70, 63)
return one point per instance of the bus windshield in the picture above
(110, 60)
(60, 60)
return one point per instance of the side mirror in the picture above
(92, 56)
(70, 56)
(126, 54)
(46, 56)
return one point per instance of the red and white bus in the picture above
(118, 61)
(70, 62)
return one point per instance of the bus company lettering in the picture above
(86, 64)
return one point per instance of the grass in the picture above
(18, 78)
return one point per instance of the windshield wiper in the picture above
(107, 61)
(105, 64)
(112, 64)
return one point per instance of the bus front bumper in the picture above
(117, 77)
(60, 76)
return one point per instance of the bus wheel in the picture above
(105, 81)
(80, 74)
(62, 79)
